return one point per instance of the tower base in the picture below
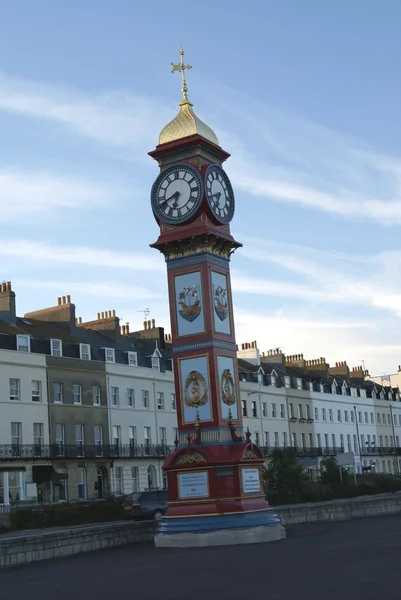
(219, 530)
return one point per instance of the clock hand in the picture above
(172, 197)
(218, 195)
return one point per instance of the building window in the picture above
(84, 351)
(156, 363)
(115, 396)
(326, 440)
(274, 411)
(60, 437)
(319, 440)
(355, 444)
(264, 409)
(294, 440)
(303, 440)
(96, 395)
(310, 436)
(116, 435)
(164, 480)
(346, 416)
(81, 483)
(23, 343)
(38, 435)
(132, 436)
(133, 359)
(109, 355)
(282, 411)
(359, 417)
(285, 442)
(291, 410)
(300, 411)
(287, 382)
(16, 435)
(352, 416)
(79, 439)
(57, 393)
(175, 433)
(56, 348)
(316, 414)
(98, 437)
(254, 409)
(342, 441)
(333, 439)
(244, 408)
(388, 419)
(145, 399)
(299, 383)
(36, 391)
(330, 414)
(381, 441)
(378, 418)
(397, 441)
(135, 479)
(173, 402)
(384, 419)
(162, 436)
(349, 443)
(119, 479)
(131, 397)
(323, 414)
(276, 440)
(273, 379)
(160, 401)
(152, 479)
(372, 418)
(147, 436)
(257, 438)
(77, 393)
(366, 417)
(267, 439)
(339, 416)
(15, 389)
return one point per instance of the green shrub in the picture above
(64, 515)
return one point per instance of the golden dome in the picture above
(186, 123)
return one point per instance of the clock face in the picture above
(219, 194)
(177, 193)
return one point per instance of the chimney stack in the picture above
(7, 303)
(63, 314)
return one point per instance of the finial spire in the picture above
(181, 67)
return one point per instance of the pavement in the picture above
(348, 560)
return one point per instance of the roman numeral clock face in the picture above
(219, 194)
(177, 193)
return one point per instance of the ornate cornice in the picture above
(209, 243)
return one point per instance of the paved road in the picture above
(349, 560)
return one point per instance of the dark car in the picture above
(146, 505)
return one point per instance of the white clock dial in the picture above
(219, 194)
(177, 193)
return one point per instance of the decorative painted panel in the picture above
(227, 387)
(195, 389)
(189, 304)
(221, 310)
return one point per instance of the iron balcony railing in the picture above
(303, 451)
(380, 450)
(77, 451)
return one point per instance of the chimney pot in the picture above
(127, 327)
(68, 299)
(98, 316)
(64, 300)
(153, 323)
(8, 286)
(114, 312)
(58, 301)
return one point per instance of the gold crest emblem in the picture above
(195, 390)
(227, 388)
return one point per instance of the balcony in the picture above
(303, 451)
(12, 452)
(381, 451)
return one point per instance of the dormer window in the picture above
(84, 351)
(299, 383)
(322, 388)
(311, 389)
(132, 359)
(260, 376)
(156, 356)
(273, 378)
(56, 348)
(287, 381)
(109, 355)
(23, 343)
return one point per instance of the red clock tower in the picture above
(214, 476)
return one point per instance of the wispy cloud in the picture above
(328, 277)
(86, 256)
(31, 195)
(115, 118)
(110, 289)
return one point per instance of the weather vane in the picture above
(181, 67)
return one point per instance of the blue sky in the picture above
(306, 98)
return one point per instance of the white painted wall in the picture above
(27, 368)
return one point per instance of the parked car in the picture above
(146, 505)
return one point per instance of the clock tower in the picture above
(214, 476)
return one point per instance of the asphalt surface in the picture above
(347, 560)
